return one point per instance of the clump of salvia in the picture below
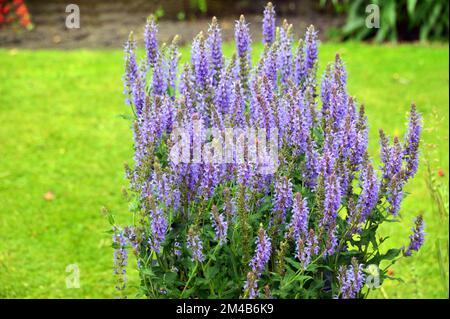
(231, 228)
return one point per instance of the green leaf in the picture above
(293, 263)
(170, 278)
(411, 6)
(148, 272)
(202, 6)
(353, 25)
(426, 28)
(111, 219)
(389, 255)
(211, 272)
(390, 13)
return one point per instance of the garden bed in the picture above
(106, 25)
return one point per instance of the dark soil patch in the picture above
(106, 24)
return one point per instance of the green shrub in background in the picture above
(399, 19)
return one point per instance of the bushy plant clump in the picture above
(290, 213)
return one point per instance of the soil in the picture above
(106, 24)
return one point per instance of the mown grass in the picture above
(61, 131)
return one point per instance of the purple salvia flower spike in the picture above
(121, 281)
(300, 212)
(351, 280)
(396, 157)
(134, 79)
(417, 238)
(215, 50)
(384, 153)
(220, 225)
(262, 252)
(199, 59)
(307, 247)
(195, 244)
(242, 37)
(285, 53)
(151, 42)
(120, 257)
(269, 24)
(138, 90)
(325, 89)
(251, 285)
(395, 193)
(172, 65)
(159, 82)
(332, 239)
(243, 41)
(131, 68)
(312, 164)
(223, 93)
(340, 73)
(299, 63)
(412, 141)
(332, 200)
(237, 106)
(158, 225)
(369, 195)
(269, 66)
(310, 49)
(282, 200)
(361, 141)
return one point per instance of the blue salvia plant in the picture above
(220, 224)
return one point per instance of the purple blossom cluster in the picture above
(120, 242)
(219, 224)
(417, 238)
(262, 252)
(320, 190)
(282, 200)
(259, 261)
(368, 198)
(215, 51)
(300, 214)
(306, 241)
(194, 243)
(268, 25)
(242, 36)
(158, 229)
(351, 280)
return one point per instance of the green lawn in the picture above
(61, 131)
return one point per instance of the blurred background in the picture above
(63, 139)
(106, 23)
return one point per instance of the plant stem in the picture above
(189, 279)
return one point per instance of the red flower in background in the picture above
(14, 13)
(6, 8)
(441, 172)
(22, 10)
(25, 22)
